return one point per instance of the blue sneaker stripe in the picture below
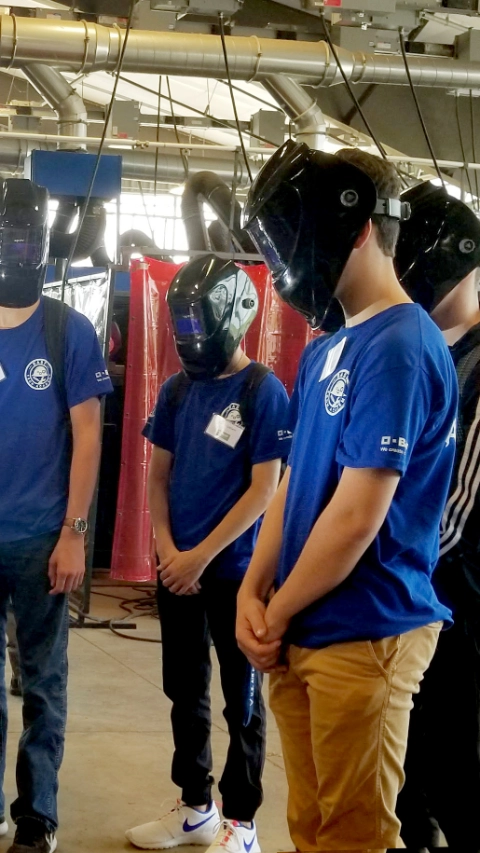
(188, 827)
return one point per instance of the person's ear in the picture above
(364, 235)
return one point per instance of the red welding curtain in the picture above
(277, 338)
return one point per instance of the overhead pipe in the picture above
(83, 46)
(63, 99)
(136, 165)
(307, 117)
(126, 143)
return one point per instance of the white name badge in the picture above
(224, 431)
(3, 375)
(333, 357)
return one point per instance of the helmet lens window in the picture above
(21, 246)
(282, 215)
(188, 320)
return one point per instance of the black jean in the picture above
(442, 767)
(189, 625)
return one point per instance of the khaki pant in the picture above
(343, 715)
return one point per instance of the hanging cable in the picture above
(220, 122)
(157, 150)
(227, 69)
(182, 155)
(474, 149)
(147, 217)
(462, 146)
(250, 95)
(350, 90)
(417, 106)
(86, 202)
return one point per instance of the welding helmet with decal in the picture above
(438, 246)
(212, 303)
(304, 212)
(24, 242)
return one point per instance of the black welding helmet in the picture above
(24, 241)
(304, 212)
(438, 246)
(212, 303)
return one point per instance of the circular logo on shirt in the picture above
(38, 374)
(336, 393)
(232, 414)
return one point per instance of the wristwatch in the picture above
(78, 525)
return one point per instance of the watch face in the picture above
(80, 525)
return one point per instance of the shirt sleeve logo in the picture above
(336, 393)
(102, 375)
(38, 374)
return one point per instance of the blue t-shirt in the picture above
(389, 402)
(34, 466)
(209, 477)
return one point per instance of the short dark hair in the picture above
(388, 185)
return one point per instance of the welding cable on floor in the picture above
(137, 639)
(86, 202)
(417, 106)
(112, 624)
(229, 79)
(147, 603)
(352, 94)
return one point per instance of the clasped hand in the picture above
(180, 571)
(259, 632)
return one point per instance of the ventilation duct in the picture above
(207, 186)
(83, 46)
(62, 98)
(301, 109)
(91, 239)
(135, 239)
(219, 237)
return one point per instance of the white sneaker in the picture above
(3, 827)
(232, 837)
(182, 825)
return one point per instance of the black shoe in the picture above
(15, 685)
(32, 835)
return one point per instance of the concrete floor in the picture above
(116, 769)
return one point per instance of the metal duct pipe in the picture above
(207, 186)
(62, 98)
(81, 46)
(300, 107)
(136, 165)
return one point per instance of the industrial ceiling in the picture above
(172, 87)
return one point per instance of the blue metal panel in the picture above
(122, 282)
(68, 173)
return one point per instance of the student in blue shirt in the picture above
(47, 478)
(438, 257)
(219, 435)
(350, 540)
